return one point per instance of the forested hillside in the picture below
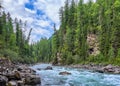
(79, 23)
(14, 44)
(89, 33)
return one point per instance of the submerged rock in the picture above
(64, 73)
(39, 69)
(99, 71)
(48, 68)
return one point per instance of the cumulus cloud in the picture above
(39, 14)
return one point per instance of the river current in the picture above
(78, 77)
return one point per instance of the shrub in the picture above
(13, 56)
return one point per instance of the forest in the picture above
(14, 45)
(89, 33)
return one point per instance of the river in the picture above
(78, 77)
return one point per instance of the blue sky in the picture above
(39, 14)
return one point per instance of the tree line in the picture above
(78, 20)
(68, 45)
(14, 44)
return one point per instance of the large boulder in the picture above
(64, 73)
(32, 80)
(3, 80)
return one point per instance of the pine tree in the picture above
(116, 43)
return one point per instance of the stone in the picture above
(39, 69)
(13, 76)
(99, 71)
(3, 80)
(64, 73)
(110, 70)
(33, 71)
(20, 83)
(48, 68)
(19, 69)
(117, 71)
(17, 75)
(12, 83)
(109, 66)
(32, 80)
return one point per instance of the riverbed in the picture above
(78, 77)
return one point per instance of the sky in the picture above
(40, 15)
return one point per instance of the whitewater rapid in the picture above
(78, 77)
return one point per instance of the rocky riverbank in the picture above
(99, 68)
(17, 75)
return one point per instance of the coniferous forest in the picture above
(14, 45)
(89, 33)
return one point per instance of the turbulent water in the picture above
(78, 77)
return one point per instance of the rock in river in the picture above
(64, 73)
(48, 68)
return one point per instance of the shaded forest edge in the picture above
(69, 44)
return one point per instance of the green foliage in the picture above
(69, 43)
(70, 59)
(118, 54)
(13, 44)
(78, 20)
(13, 56)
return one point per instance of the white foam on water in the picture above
(78, 77)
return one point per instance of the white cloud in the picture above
(41, 24)
(50, 8)
(18, 10)
(30, 11)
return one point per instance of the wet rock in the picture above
(39, 69)
(3, 80)
(32, 80)
(99, 71)
(48, 68)
(64, 73)
(33, 71)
